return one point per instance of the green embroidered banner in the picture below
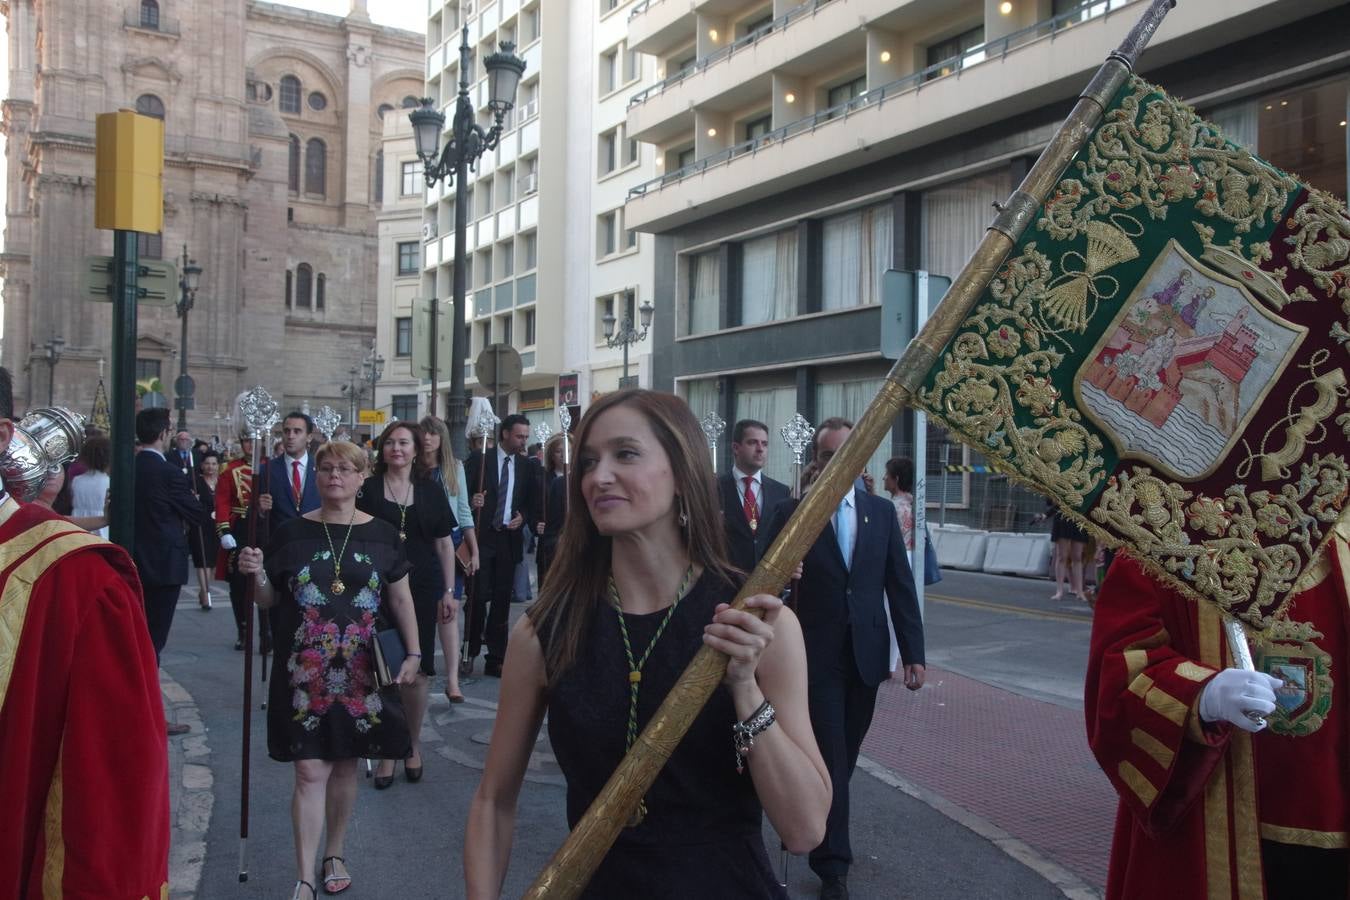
(1164, 353)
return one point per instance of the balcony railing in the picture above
(642, 8)
(730, 50)
(997, 48)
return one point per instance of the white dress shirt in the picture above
(848, 507)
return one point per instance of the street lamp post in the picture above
(627, 333)
(468, 141)
(187, 293)
(372, 367)
(54, 346)
(353, 391)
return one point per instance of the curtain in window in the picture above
(849, 399)
(293, 165)
(304, 277)
(704, 270)
(769, 278)
(955, 217)
(1238, 122)
(773, 407)
(856, 251)
(316, 166)
(701, 395)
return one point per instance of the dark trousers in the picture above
(160, 602)
(1294, 872)
(239, 604)
(841, 712)
(491, 603)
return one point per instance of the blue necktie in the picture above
(843, 530)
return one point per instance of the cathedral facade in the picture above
(273, 119)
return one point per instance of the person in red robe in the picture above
(1212, 804)
(83, 760)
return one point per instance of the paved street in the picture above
(978, 786)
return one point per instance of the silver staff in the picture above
(327, 421)
(565, 419)
(713, 427)
(797, 434)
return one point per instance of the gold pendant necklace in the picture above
(337, 587)
(402, 509)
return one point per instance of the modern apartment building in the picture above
(399, 191)
(549, 253)
(805, 148)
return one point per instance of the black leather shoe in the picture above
(834, 887)
(492, 669)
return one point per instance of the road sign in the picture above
(628, 381)
(184, 403)
(421, 338)
(156, 280)
(370, 417)
(498, 368)
(184, 386)
(154, 400)
(906, 297)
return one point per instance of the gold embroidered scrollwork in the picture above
(1301, 425)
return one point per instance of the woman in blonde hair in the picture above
(440, 461)
(639, 584)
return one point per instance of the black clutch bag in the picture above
(389, 655)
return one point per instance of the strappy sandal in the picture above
(295, 895)
(456, 697)
(329, 879)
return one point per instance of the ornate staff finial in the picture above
(713, 426)
(542, 432)
(327, 421)
(565, 419)
(486, 424)
(259, 411)
(797, 434)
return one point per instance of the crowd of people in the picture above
(359, 568)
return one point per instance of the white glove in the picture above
(227, 542)
(1233, 692)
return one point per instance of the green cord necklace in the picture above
(635, 668)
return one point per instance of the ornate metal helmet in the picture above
(44, 440)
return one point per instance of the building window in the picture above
(609, 151)
(410, 173)
(147, 369)
(506, 192)
(857, 249)
(607, 234)
(529, 328)
(304, 279)
(319, 285)
(630, 151)
(150, 105)
(485, 197)
(604, 306)
(317, 102)
(529, 25)
(632, 65)
(384, 108)
(630, 239)
(506, 259)
(407, 257)
(293, 166)
(379, 176)
(843, 93)
(949, 52)
(403, 336)
(608, 6)
(290, 279)
(289, 101)
(769, 278)
(757, 128)
(750, 26)
(684, 158)
(505, 329)
(849, 399)
(150, 246)
(531, 253)
(316, 166)
(609, 71)
(150, 14)
(704, 295)
(403, 407)
(484, 268)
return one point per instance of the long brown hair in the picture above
(553, 443)
(445, 457)
(419, 468)
(579, 574)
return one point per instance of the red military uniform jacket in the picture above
(1197, 799)
(233, 491)
(83, 758)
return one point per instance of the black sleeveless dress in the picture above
(701, 837)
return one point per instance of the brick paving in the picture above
(1019, 763)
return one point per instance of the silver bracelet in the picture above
(262, 578)
(743, 734)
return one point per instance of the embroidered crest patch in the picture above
(1304, 700)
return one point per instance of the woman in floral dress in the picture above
(336, 575)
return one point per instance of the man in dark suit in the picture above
(506, 502)
(748, 496)
(290, 488)
(854, 571)
(165, 506)
(181, 455)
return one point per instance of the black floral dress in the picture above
(322, 703)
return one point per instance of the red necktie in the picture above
(751, 507)
(295, 482)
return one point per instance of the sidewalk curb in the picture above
(1068, 883)
(191, 783)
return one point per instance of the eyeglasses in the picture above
(344, 471)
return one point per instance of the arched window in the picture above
(289, 100)
(293, 166)
(150, 105)
(318, 291)
(316, 166)
(379, 176)
(384, 108)
(289, 279)
(411, 102)
(150, 14)
(304, 277)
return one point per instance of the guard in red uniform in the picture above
(1212, 804)
(83, 758)
(233, 492)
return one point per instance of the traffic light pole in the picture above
(122, 512)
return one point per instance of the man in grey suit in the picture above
(748, 496)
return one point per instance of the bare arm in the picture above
(768, 661)
(401, 606)
(492, 815)
(445, 552)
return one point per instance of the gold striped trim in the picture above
(1167, 706)
(1218, 871)
(1135, 663)
(1142, 787)
(8, 508)
(1140, 685)
(1158, 639)
(54, 852)
(1306, 837)
(1191, 672)
(1155, 748)
(1245, 823)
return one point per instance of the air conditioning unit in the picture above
(529, 184)
(428, 230)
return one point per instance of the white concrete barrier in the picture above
(959, 548)
(1017, 554)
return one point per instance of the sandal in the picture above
(456, 697)
(204, 600)
(295, 895)
(329, 879)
